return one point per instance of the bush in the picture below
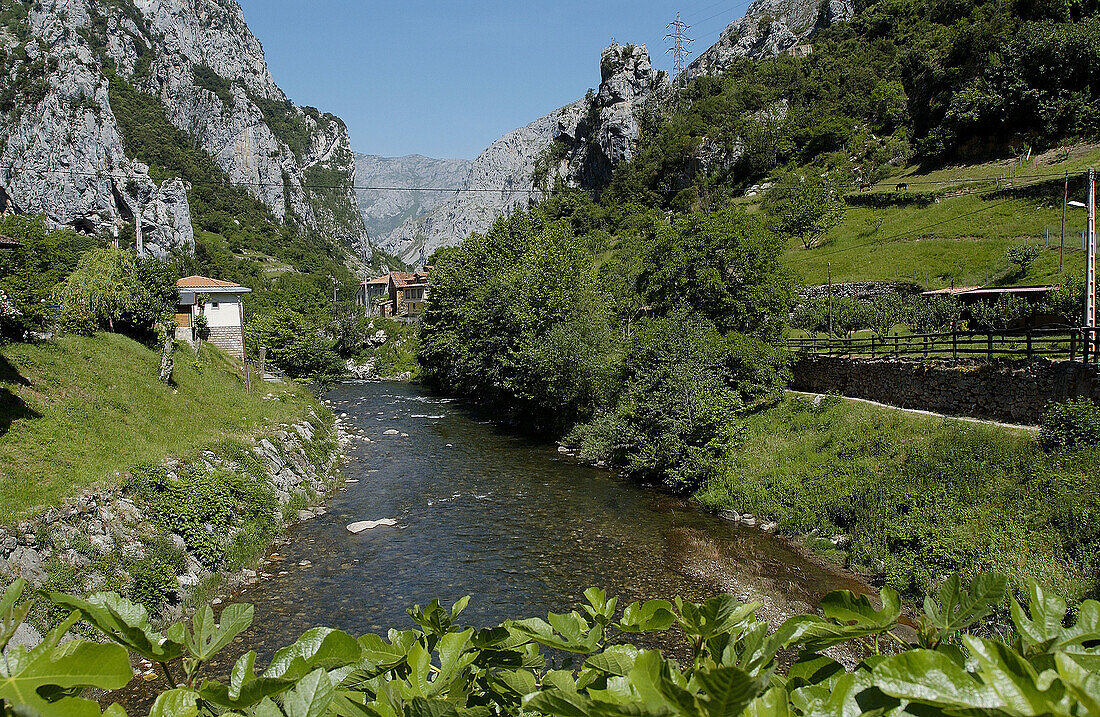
(79, 320)
(1070, 424)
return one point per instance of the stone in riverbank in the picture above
(99, 539)
(364, 525)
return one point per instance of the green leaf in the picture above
(845, 608)
(126, 623)
(726, 691)
(61, 670)
(311, 696)
(957, 609)
(718, 615)
(209, 638)
(599, 609)
(1011, 676)
(931, 678)
(319, 647)
(569, 632)
(650, 616)
(1082, 683)
(176, 703)
(1043, 630)
(615, 660)
(12, 615)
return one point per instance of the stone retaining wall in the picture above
(300, 464)
(1014, 393)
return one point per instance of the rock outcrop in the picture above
(384, 210)
(769, 28)
(63, 152)
(578, 143)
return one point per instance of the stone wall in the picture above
(1014, 393)
(229, 339)
(77, 541)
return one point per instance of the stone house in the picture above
(222, 309)
(400, 294)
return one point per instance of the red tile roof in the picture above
(402, 279)
(383, 280)
(8, 241)
(206, 283)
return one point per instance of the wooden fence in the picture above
(1071, 344)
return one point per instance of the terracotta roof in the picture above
(383, 280)
(402, 279)
(8, 241)
(205, 283)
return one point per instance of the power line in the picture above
(679, 49)
(518, 190)
(910, 232)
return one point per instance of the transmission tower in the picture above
(680, 41)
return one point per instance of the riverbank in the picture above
(164, 494)
(907, 499)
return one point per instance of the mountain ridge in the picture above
(64, 153)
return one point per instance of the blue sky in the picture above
(445, 79)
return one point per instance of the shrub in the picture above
(1070, 424)
(78, 319)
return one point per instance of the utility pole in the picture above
(139, 242)
(1090, 256)
(1062, 247)
(680, 41)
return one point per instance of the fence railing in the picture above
(1072, 344)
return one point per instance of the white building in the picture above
(223, 309)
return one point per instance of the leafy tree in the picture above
(723, 266)
(118, 289)
(805, 208)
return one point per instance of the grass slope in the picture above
(960, 239)
(921, 497)
(79, 412)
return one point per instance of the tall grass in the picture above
(88, 409)
(920, 497)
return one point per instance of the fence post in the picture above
(989, 346)
(954, 344)
(1029, 346)
(872, 347)
(1073, 345)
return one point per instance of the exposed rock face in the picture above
(769, 28)
(579, 144)
(385, 210)
(66, 151)
(500, 178)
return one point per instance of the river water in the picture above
(512, 523)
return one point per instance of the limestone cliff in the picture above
(412, 179)
(61, 147)
(769, 28)
(578, 144)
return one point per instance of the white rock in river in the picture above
(391, 432)
(362, 525)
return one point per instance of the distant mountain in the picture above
(384, 210)
(581, 143)
(103, 100)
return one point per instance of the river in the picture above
(512, 523)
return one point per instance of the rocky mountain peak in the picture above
(769, 28)
(63, 150)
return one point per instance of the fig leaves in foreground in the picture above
(583, 663)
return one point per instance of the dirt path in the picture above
(999, 424)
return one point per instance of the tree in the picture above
(117, 289)
(805, 208)
(722, 266)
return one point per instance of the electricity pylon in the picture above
(680, 42)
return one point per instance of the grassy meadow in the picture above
(78, 412)
(920, 497)
(960, 239)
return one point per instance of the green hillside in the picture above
(77, 412)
